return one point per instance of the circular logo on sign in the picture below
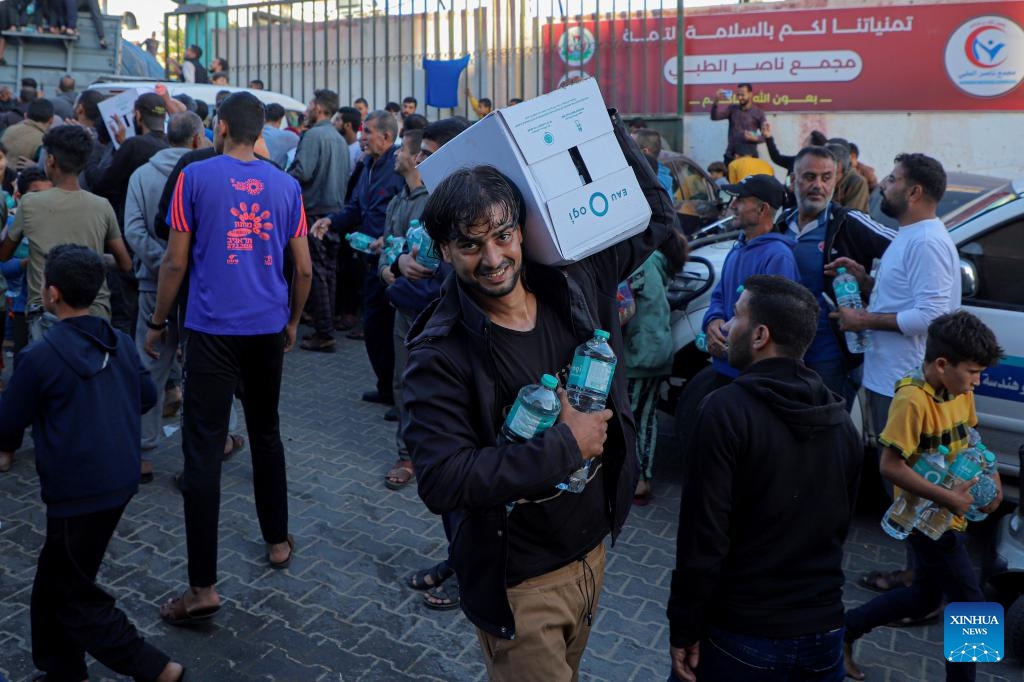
(985, 56)
(548, 138)
(598, 204)
(576, 46)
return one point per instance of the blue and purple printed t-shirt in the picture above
(241, 215)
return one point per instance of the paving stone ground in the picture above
(341, 612)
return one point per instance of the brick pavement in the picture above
(341, 612)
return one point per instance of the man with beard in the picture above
(758, 251)
(746, 120)
(759, 578)
(918, 280)
(530, 578)
(825, 231)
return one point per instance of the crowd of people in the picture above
(124, 257)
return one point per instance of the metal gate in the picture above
(517, 48)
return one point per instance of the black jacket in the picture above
(132, 155)
(766, 507)
(854, 235)
(82, 389)
(454, 417)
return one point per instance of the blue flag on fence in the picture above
(443, 81)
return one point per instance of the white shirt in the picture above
(918, 279)
(354, 152)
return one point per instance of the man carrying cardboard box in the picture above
(531, 577)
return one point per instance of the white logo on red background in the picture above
(985, 56)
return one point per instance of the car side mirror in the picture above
(968, 279)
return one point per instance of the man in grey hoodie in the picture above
(184, 133)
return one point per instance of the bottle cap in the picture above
(548, 381)
(739, 289)
(602, 334)
(840, 271)
(414, 223)
(943, 450)
(990, 456)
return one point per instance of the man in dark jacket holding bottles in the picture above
(499, 324)
(768, 501)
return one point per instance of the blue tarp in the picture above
(137, 62)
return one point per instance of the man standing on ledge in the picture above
(746, 120)
(232, 216)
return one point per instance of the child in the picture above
(717, 172)
(933, 406)
(83, 390)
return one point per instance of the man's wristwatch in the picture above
(157, 327)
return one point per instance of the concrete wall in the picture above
(972, 142)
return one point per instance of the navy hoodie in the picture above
(83, 389)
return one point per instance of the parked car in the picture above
(206, 93)
(985, 217)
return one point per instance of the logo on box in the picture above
(973, 632)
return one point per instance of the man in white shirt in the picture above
(918, 280)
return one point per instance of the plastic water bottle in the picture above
(590, 376)
(936, 520)
(393, 248)
(535, 410)
(848, 296)
(985, 490)
(590, 381)
(360, 241)
(903, 514)
(701, 342)
(417, 237)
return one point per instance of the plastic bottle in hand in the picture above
(935, 520)
(903, 514)
(590, 377)
(359, 241)
(393, 248)
(848, 296)
(985, 490)
(535, 410)
(590, 381)
(417, 237)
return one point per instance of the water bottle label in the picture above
(964, 469)
(591, 374)
(930, 473)
(525, 423)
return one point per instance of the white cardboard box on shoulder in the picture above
(560, 150)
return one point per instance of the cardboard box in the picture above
(560, 150)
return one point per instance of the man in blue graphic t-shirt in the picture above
(231, 219)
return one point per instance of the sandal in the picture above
(287, 562)
(443, 597)
(175, 612)
(883, 581)
(237, 443)
(430, 578)
(401, 475)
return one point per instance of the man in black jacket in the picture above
(500, 322)
(824, 231)
(767, 504)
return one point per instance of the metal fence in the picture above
(376, 49)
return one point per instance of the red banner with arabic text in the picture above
(942, 57)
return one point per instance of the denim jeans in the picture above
(727, 656)
(941, 567)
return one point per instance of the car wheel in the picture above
(694, 391)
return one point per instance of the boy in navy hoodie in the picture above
(83, 390)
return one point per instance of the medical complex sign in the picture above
(922, 57)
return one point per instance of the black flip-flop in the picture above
(447, 596)
(287, 562)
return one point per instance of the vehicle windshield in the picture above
(963, 202)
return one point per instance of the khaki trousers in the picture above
(551, 624)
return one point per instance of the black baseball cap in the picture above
(763, 187)
(151, 104)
